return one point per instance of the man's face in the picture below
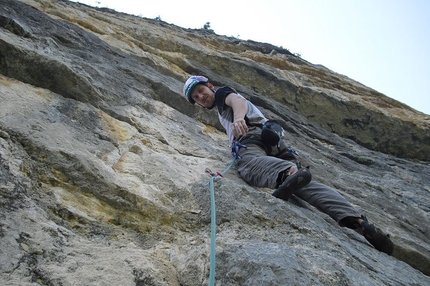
(203, 95)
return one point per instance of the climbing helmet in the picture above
(191, 83)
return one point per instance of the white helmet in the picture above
(191, 83)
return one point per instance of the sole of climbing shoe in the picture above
(293, 183)
(377, 238)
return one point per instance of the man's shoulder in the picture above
(225, 90)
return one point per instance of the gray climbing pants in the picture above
(262, 170)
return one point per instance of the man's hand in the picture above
(239, 128)
(240, 109)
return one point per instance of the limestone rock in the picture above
(102, 161)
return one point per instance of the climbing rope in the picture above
(213, 220)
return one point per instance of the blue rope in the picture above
(213, 234)
(213, 225)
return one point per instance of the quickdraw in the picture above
(207, 170)
(235, 149)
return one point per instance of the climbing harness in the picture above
(213, 218)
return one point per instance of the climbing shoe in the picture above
(377, 238)
(293, 183)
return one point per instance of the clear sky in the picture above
(383, 44)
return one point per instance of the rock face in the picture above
(102, 161)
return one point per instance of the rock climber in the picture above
(264, 159)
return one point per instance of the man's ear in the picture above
(211, 86)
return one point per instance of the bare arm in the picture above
(240, 108)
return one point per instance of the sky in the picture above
(383, 44)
